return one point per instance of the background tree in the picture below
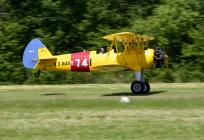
(69, 26)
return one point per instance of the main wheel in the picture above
(137, 87)
(146, 87)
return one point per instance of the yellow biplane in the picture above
(128, 51)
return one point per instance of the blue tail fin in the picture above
(30, 55)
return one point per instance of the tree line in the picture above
(67, 26)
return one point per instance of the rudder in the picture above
(30, 55)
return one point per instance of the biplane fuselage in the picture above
(131, 59)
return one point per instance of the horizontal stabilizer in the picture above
(47, 58)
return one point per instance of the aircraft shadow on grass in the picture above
(53, 94)
(130, 93)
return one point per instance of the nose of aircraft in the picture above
(160, 58)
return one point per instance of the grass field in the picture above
(94, 112)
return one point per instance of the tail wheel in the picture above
(137, 87)
(146, 87)
(37, 74)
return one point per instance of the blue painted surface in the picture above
(30, 55)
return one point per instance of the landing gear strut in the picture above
(37, 74)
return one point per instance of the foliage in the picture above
(70, 26)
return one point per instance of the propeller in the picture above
(160, 58)
(166, 63)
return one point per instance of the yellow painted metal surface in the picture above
(64, 62)
(105, 62)
(57, 62)
(44, 52)
(136, 60)
(130, 59)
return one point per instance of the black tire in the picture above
(137, 87)
(37, 74)
(146, 87)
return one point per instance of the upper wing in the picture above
(128, 37)
(128, 40)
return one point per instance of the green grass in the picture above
(94, 112)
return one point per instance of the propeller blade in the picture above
(166, 60)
